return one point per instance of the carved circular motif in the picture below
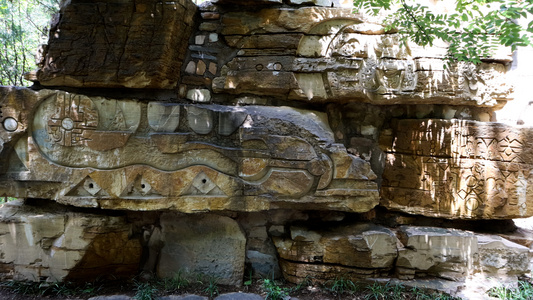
(67, 123)
(10, 124)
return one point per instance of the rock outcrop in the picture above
(286, 138)
(54, 243)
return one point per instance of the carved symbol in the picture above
(472, 203)
(510, 149)
(74, 116)
(139, 187)
(88, 187)
(203, 185)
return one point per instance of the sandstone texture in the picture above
(210, 245)
(367, 251)
(92, 151)
(55, 244)
(259, 138)
(118, 44)
(463, 169)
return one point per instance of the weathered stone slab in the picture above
(352, 252)
(239, 296)
(126, 46)
(92, 152)
(282, 20)
(202, 244)
(458, 169)
(499, 257)
(299, 273)
(362, 245)
(447, 253)
(54, 244)
(337, 60)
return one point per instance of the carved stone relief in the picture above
(231, 155)
(338, 61)
(462, 169)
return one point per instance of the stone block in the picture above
(363, 246)
(52, 243)
(499, 257)
(351, 251)
(459, 169)
(125, 50)
(202, 244)
(263, 265)
(446, 253)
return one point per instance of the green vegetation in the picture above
(274, 290)
(145, 291)
(23, 26)
(212, 287)
(471, 28)
(183, 283)
(7, 199)
(344, 288)
(155, 287)
(178, 282)
(523, 291)
(57, 289)
(342, 285)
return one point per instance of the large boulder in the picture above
(458, 169)
(354, 251)
(205, 244)
(131, 44)
(52, 243)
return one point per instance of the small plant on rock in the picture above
(145, 291)
(212, 287)
(342, 285)
(274, 291)
(179, 281)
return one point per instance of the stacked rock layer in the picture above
(293, 139)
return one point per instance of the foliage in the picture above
(145, 291)
(379, 291)
(23, 26)
(58, 289)
(212, 287)
(6, 199)
(342, 285)
(471, 28)
(523, 291)
(179, 281)
(274, 290)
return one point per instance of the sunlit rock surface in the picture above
(458, 169)
(53, 243)
(135, 155)
(290, 138)
(118, 44)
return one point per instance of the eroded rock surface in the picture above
(458, 169)
(239, 132)
(92, 152)
(368, 251)
(118, 44)
(202, 244)
(53, 244)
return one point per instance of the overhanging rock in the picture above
(134, 155)
(280, 136)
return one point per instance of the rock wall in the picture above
(287, 138)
